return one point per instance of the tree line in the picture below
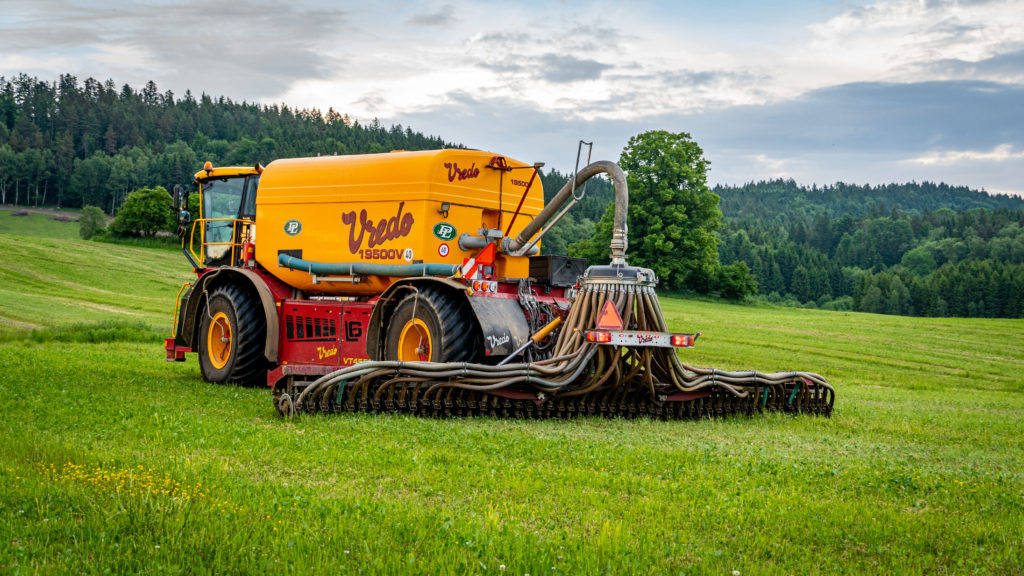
(919, 259)
(70, 144)
(780, 199)
(922, 249)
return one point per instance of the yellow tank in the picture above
(396, 208)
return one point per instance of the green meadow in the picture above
(114, 461)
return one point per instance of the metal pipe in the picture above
(469, 242)
(619, 241)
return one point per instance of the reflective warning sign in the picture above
(608, 318)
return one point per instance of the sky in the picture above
(864, 92)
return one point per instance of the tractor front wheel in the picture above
(432, 325)
(232, 335)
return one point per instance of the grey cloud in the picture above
(604, 33)
(503, 38)
(564, 69)
(705, 78)
(489, 123)
(590, 37)
(1003, 65)
(580, 38)
(879, 117)
(952, 28)
(441, 17)
(856, 133)
(863, 132)
(554, 68)
(504, 66)
(373, 101)
(48, 24)
(216, 47)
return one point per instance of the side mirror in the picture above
(184, 216)
(176, 195)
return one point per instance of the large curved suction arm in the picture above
(619, 238)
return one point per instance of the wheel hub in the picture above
(219, 340)
(414, 344)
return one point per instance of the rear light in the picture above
(641, 338)
(681, 340)
(484, 286)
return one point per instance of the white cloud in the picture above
(772, 167)
(1001, 153)
(760, 85)
(895, 40)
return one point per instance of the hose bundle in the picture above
(580, 377)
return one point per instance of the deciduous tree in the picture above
(91, 222)
(672, 213)
(144, 213)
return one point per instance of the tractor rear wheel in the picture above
(432, 325)
(232, 335)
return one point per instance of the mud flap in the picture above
(502, 323)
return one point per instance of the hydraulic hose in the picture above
(366, 268)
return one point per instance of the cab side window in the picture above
(248, 209)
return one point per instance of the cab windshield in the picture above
(222, 197)
(222, 200)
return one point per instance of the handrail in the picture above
(201, 257)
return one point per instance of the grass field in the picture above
(48, 277)
(31, 222)
(115, 461)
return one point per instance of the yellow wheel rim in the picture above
(218, 340)
(414, 343)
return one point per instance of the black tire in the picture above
(443, 320)
(232, 335)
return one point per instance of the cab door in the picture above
(226, 202)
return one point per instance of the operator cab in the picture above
(227, 203)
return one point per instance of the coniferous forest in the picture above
(70, 143)
(920, 249)
(912, 249)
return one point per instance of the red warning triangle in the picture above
(486, 256)
(608, 318)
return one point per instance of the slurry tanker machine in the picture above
(411, 282)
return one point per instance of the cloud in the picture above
(539, 135)
(1001, 153)
(567, 68)
(583, 37)
(442, 17)
(550, 67)
(896, 35)
(503, 66)
(253, 50)
(373, 102)
(1004, 67)
(877, 116)
(964, 133)
(501, 39)
(864, 90)
(862, 132)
